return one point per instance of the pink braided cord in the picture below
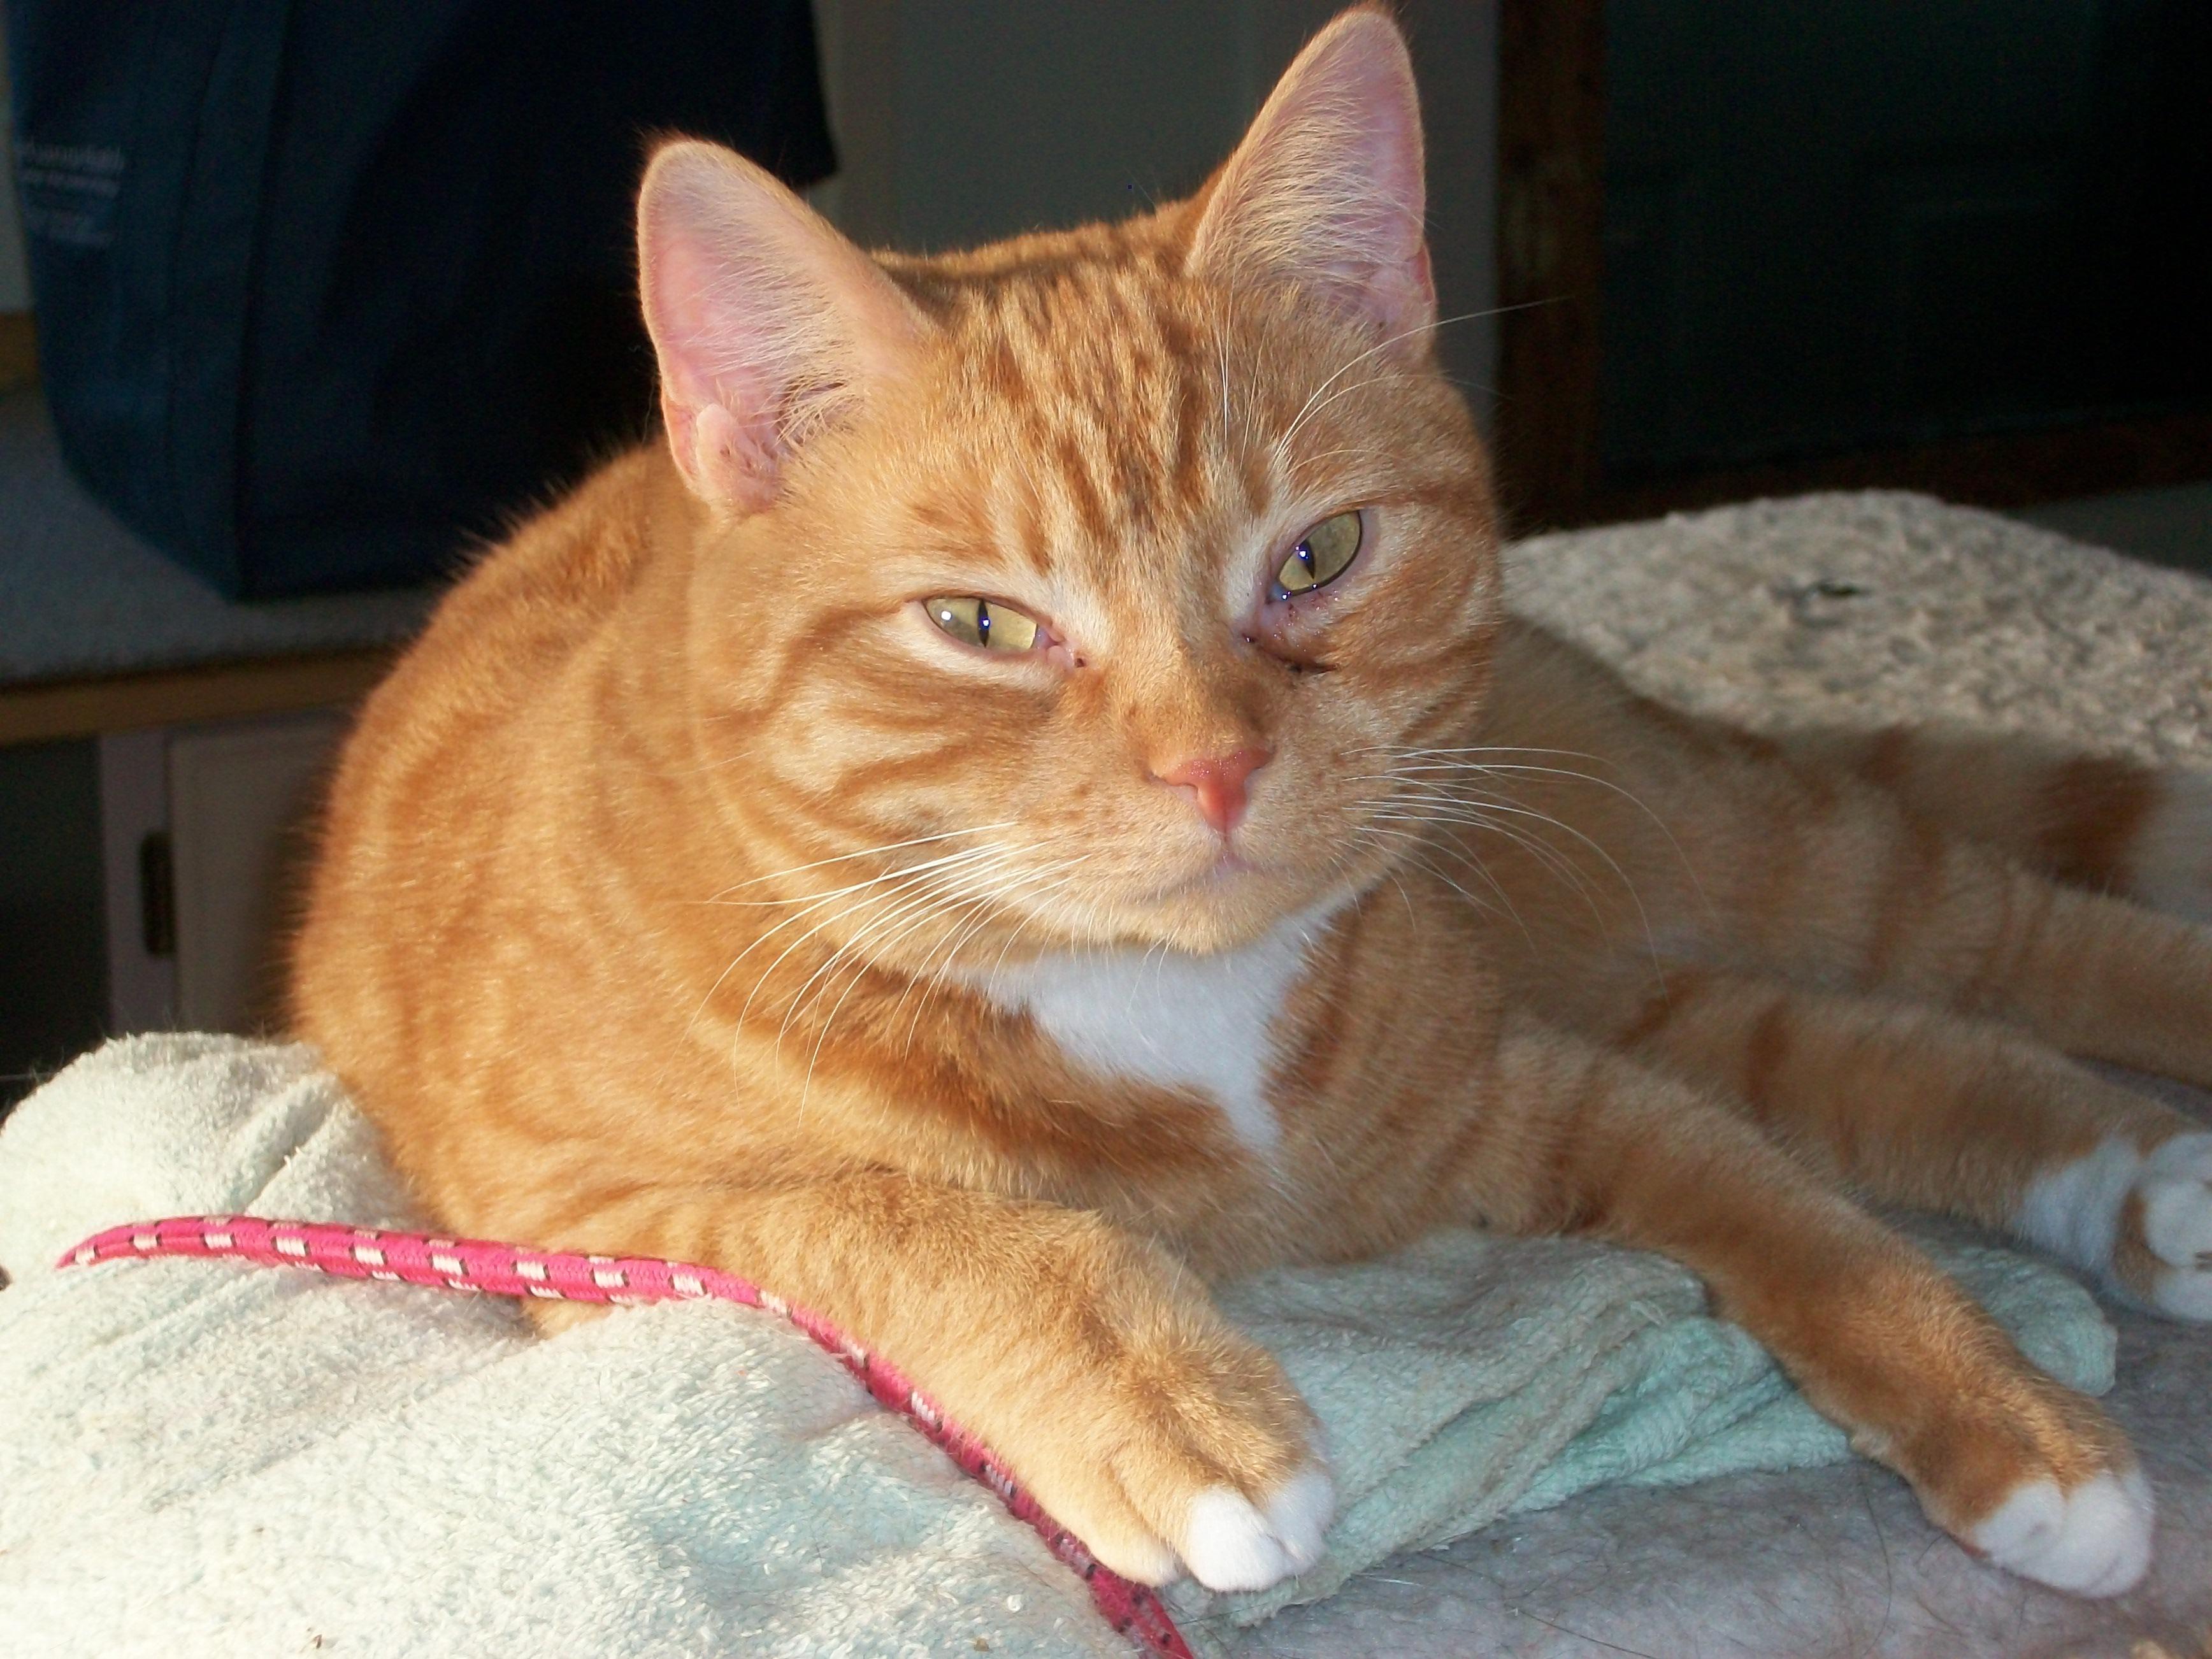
(474, 1264)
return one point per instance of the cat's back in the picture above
(435, 786)
(526, 603)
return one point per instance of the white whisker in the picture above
(867, 852)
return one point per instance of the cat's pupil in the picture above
(972, 621)
(1322, 555)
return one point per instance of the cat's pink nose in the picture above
(1219, 783)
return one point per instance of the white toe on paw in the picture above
(1231, 1545)
(1299, 1514)
(1228, 1545)
(2176, 1190)
(2093, 1540)
(2176, 1185)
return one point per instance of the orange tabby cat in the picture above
(1027, 802)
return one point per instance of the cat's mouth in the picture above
(1230, 868)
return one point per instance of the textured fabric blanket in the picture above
(207, 1457)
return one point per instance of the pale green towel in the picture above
(1471, 1378)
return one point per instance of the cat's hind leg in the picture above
(1857, 894)
(1578, 1138)
(1937, 1112)
(2147, 1213)
(2105, 822)
(1980, 875)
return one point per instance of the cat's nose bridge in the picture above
(1170, 729)
(1198, 719)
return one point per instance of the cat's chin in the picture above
(1228, 911)
(1206, 917)
(1231, 903)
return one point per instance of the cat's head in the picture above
(1093, 580)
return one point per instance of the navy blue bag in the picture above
(325, 289)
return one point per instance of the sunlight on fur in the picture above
(1028, 802)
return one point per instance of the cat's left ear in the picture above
(769, 324)
(1326, 191)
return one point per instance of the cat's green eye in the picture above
(1320, 557)
(978, 622)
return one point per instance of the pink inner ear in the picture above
(734, 463)
(767, 322)
(719, 411)
(676, 278)
(715, 347)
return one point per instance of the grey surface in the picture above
(80, 595)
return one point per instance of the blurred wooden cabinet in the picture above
(203, 832)
(148, 879)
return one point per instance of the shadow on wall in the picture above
(53, 972)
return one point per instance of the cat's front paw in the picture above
(2092, 1541)
(2036, 1479)
(2163, 1255)
(1208, 1464)
(1229, 1543)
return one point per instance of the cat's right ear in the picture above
(1326, 190)
(767, 324)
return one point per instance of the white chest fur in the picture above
(1181, 1021)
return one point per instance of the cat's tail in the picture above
(2095, 821)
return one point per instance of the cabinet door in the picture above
(51, 985)
(241, 798)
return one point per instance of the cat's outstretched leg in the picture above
(1972, 873)
(2018, 1469)
(1871, 901)
(2096, 821)
(1092, 1362)
(1927, 1109)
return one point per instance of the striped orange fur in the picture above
(709, 882)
